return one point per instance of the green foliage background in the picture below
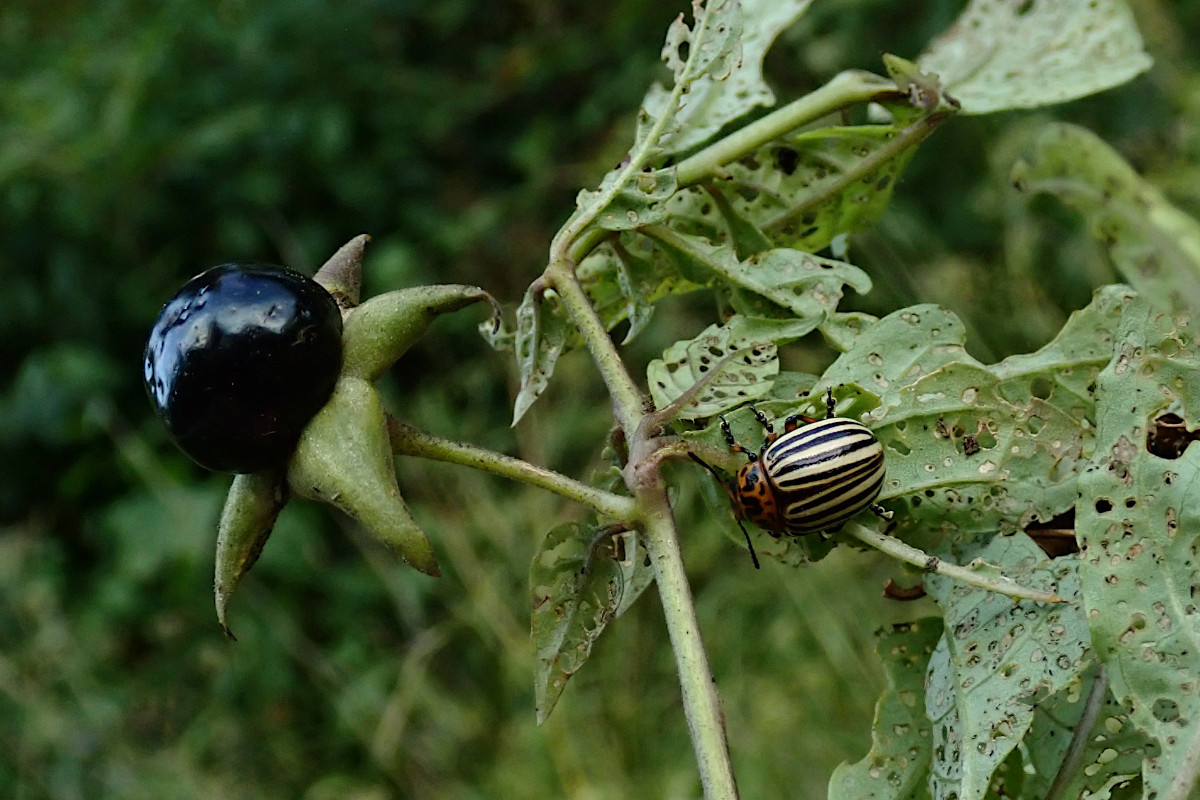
(141, 143)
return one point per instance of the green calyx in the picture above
(344, 459)
(344, 456)
(251, 507)
(382, 329)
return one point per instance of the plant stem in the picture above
(409, 441)
(574, 241)
(844, 90)
(701, 703)
(903, 552)
(1081, 736)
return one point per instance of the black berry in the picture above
(240, 360)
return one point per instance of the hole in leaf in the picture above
(787, 159)
(1103, 505)
(1169, 436)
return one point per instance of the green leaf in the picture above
(624, 284)
(806, 189)
(967, 460)
(808, 286)
(722, 75)
(1005, 55)
(994, 658)
(1138, 525)
(637, 203)
(842, 329)
(899, 349)
(1112, 754)
(583, 576)
(897, 767)
(542, 331)
(736, 362)
(1154, 245)
(1064, 372)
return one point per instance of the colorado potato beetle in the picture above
(812, 477)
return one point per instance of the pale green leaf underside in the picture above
(967, 460)
(994, 656)
(1064, 372)
(898, 765)
(1113, 753)
(1139, 526)
(1155, 246)
(577, 589)
(1002, 54)
(735, 364)
(540, 339)
(726, 81)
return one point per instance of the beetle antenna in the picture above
(720, 480)
(749, 544)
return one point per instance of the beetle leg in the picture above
(732, 442)
(881, 512)
(766, 423)
(829, 403)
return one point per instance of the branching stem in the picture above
(409, 441)
(919, 558)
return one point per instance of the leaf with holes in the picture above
(1138, 525)
(897, 768)
(1112, 753)
(581, 578)
(808, 286)
(804, 190)
(719, 61)
(1064, 372)
(966, 460)
(735, 361)
(994, 658)
(1155, 246)
(639, 202)
(1001, 54)
(624, 283)
(899, 349)
(542, 331)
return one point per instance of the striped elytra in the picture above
(823, 474)
(812, 477)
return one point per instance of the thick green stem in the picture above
(409, 441)
(844, 90)
(701, 704)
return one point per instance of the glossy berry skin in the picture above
(811, 478)
(240, 360)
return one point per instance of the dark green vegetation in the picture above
(139, 145)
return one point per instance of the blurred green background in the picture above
(143, 142)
